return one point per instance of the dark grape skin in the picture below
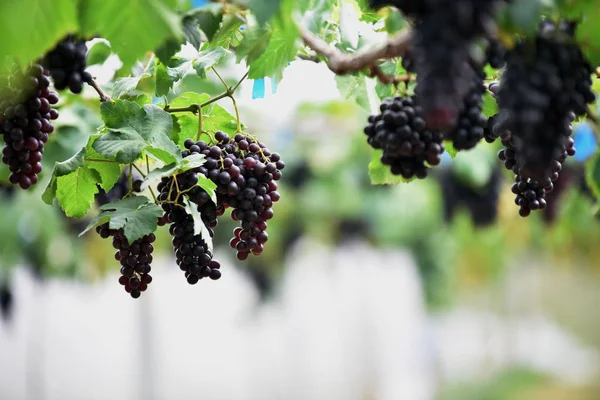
(401, 133)
(245, 173)
(135, 259)
(26, 113)
(67, 63)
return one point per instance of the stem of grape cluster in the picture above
(98, 89)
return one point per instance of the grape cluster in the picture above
(25, 118)
(406, 143)
(67, 63)
(135, 259)
(470, 125)
(191, 251)
(539, 96)
(443, 34)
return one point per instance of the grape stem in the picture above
(98, 89)
(341, 63)
(376, 71)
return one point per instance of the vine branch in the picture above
(341, 63)
(103, 96)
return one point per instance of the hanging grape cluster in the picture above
(135, 259)
(539, 96)
(245, 173)
(67, 63)
(25, 115)
(408, 146)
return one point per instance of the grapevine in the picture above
(439, 78)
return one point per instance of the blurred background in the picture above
(435, 289)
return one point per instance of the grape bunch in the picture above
(442, 38)
(67, 63)
(470, 125)
(494, 54)
(25, 117)
(539, 96)
(135, 259)
(246, 174)
(408, 146)
(191, 251)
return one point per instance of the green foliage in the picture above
(136, 215)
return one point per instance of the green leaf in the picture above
(136, 215)
(354, 87)
(282, 49)
(163, 80)
(394, 21)
(98, 53)
(264, 9)
(191, 31)
(187, 163)
(214, 117)
(132, 27)
(199, 227)
(254, 44)
(490, 106)
(208, 22)
(227, 33)
(207, 59)
(380, 174)
(125, 86)
(521, 16)
(134, 129)
(449, 148)
(109, 171)
(32, 27)
(168, 49)
(592, 175)
(588, 32)
(75, 191)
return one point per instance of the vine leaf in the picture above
(133, 129)
(136, 215)
(380, 174)
(592, 176)
(46, 22)
(74, 181)
(281, 50)
(98, 53)
(214, 117)
(134, 85)
(490, 106)
(199, 227)
(449, 148)
(209, 20)
(179, 67)
(132, 27)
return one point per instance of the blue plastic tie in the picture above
(258, 89)
(585, 142)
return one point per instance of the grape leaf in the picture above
(264, 9)
(134, 129)
(449, 147)
(199, 227)
(163, 80)
(191, 31)
(98, 53)
(588, 32)
(132, 27)
(136, 215)
(228, 32)
(490, 106)
(200, 62)
(254, 44)
(380, 174)
(75, 191)
(187, 163)
(104, 173)
(214, 117)
(592, 175)
(281, 50)
(43, 23)
(209, 22)
(354, 87)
